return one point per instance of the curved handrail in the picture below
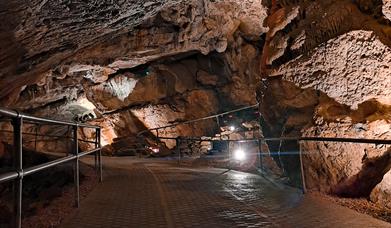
(196, 120)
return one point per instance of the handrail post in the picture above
(18, 164)
(229, 154)
(76, 166)
(178, 149)
(260, 155)
(96, 153)
(218, 126)
(302, 168)
(100, 155)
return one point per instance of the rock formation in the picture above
(164, 62)
(327, 65)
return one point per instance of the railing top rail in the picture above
(31, 170)
(199, 119)
(316, 139)
(333, 139)
(15, 114)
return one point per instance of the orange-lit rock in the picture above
(381, 193)
(332, 79)
(387, 9)
(351, 69)
(129, 35)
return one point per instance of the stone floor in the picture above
(153, 193)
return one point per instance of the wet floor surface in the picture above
(161, 194)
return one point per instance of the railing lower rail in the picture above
(17, 120)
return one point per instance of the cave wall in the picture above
(326, 63)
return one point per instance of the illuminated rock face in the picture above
(97, 39)
(319, 68)
(387, 9)
(153, 63)
(351, 68)
(332, 79)
(381, 193)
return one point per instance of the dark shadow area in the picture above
(39, 189)
(371, 174)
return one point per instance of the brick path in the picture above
(159, 194)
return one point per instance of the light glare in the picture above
(239, 155)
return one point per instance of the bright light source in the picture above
(154, 149)
(239, 155)
(232, 128)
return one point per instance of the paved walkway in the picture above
(159, 194)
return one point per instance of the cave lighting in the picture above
(154, 149)
(104, 142)
(232, 128)
(239, 155)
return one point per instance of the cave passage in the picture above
(195, 113)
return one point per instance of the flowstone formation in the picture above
(318, 68)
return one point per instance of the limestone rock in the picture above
(109, 37)
(330, 164)
(206, 79)
(382, 192)
(46, 33)
(112, 93)
(387, 9)
(351, 69)
(331, 61)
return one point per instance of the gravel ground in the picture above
(361, 205)
(52, 215)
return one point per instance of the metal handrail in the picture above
(15, 114)
(317, 139)
(19, 173)
(47, 135)
(261, 140)
(196, 120)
